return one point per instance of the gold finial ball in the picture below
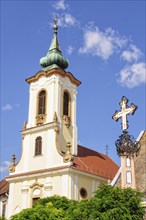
(55, 27)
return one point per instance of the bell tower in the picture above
(49, 138)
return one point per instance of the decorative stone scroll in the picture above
(12, 165)
(68, 156)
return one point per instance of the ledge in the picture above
(51, 72)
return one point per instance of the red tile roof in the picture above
(96, 163)
(87, 160)
(4, 187)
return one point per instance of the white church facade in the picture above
(52, 162)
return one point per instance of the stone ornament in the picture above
(12, 165)
(66, 121)
(40, 119)
(68, 156)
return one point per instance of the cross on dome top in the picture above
(125, 110)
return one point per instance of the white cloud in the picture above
(102, 44)
(69, 19)
(133, 75)
(70, 50)
(5, 165)
(114, 36)
(66, 20)
(7, 107)
(133, 54)
(60, 5)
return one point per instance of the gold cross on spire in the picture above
(125, 110)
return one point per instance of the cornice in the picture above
(39, 127)
(52, 171)
(37, 173)
(50, 73)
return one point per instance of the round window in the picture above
(36, 192)
(83, 193)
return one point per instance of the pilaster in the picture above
(24, 192)
(48, 187)
(10, 201)
(32, 108)
(93, 187)
(65, 188)
(76, 187)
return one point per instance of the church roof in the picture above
(87, 160)
(95, 163)
(4, 187)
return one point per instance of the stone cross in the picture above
(125, 110)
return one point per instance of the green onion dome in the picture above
(54, 57)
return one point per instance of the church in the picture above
(52, 162)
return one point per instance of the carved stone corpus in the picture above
(125, 110)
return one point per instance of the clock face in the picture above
(36, 192)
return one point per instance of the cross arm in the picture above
(116, 115)
(133, 108)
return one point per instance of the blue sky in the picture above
(104, 42)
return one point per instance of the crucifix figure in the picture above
(125, 110)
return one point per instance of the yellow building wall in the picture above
(17, 201)
(85, 182)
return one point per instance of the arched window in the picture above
(42, 102)
(38, 146)
(128, 177)
(66, 104)
(128, 162)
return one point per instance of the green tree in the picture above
(119, 204)
(108, 203)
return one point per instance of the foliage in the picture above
(107, 203)
(57, 202)
(2, 218)
(117, 203)
(39, 212)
